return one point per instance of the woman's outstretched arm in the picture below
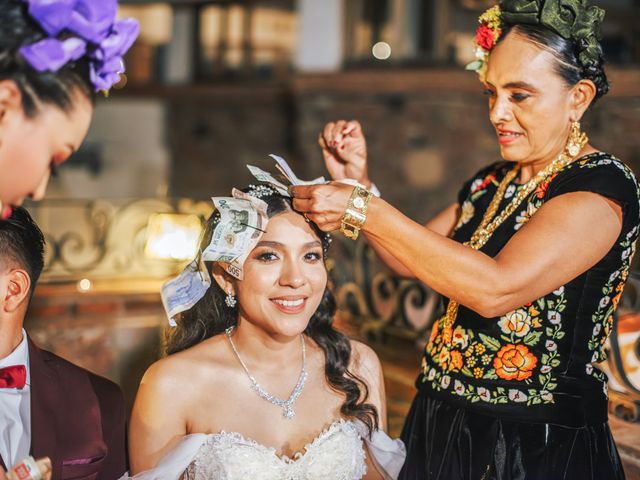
(545, 253)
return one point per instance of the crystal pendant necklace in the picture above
(286, 405)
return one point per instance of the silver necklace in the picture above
(286, 405)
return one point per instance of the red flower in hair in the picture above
(485, 37)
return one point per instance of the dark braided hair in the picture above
(210, 316)
(567, 55)
(18, 29)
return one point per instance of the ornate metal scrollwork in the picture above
(104, 239)
(623, 356)
(377, 302)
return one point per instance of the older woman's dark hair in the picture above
(17, 29)
(210, 316)
(566, 53)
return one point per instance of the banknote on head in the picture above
(285, 169)
(184, 291)
(243, 220)
(266, 177)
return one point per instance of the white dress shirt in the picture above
(15, 410)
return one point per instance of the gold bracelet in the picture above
(356, 212)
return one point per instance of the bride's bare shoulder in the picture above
(365, 364)
(205, 359)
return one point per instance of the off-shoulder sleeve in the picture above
(173, 465)
(606, 176)
(387, 454)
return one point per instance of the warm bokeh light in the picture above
(381, 50)
(84, 285)
(172, 236)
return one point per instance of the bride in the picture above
(258, 384)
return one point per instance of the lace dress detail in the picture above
(336, 454)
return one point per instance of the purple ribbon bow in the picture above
(96, 33)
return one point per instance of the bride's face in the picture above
(284, 277)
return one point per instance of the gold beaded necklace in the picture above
(490, 221)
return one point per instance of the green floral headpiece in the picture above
(573, 20)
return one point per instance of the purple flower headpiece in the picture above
(90, 29)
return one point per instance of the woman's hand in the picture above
(344, 149)
(323, 204)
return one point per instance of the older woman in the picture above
(532, 260)
(54, 56)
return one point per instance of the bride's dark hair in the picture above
(210, 316)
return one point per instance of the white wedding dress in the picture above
(338, 453)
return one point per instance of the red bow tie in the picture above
(14, 376)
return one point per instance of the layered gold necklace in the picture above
(492, 220)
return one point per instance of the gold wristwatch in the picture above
(356, 212)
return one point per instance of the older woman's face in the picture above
(529, 103)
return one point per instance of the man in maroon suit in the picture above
(48, 406)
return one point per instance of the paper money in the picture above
(266, 177)
(285, 169)
(243, 220)
(286, 172)
(184, 291)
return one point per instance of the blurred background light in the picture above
(172, 236)
(381, 50)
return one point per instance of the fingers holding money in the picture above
(324, 205)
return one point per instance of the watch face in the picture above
(358, 203)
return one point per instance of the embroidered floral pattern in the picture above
(517, 360)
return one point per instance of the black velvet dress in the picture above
(519, 396)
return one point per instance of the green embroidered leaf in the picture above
(500, 390)
(540, 303)
(475, 399)
(490, 342)
(502, 400)
(536, 400)
(550, 304)
(533, 338)
(549, 331)
(466, 371)
(552, 386)
(555, 362)
(545, 359)
(560, 335)
(542, 379)
(507, 339)
(490, 374)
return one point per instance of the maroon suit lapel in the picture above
(45, 407)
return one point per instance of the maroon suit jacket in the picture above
(77, 419)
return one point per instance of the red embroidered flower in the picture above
(485, 37)
(542, 188)
(487, 180)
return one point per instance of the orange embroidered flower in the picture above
(456, 360)
(443, 357)
(447, 335)
(514, 362)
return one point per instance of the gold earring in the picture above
(576, 141)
